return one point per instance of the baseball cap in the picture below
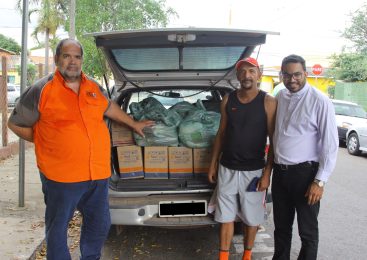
(248, 60)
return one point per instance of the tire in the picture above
(353, 144)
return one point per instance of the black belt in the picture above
(307, 164)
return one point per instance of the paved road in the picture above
(167, 244)
(343, 222)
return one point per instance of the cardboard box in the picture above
(180, 163)
(130, 162)
(156, 162)
(202, 159)
(121, 135)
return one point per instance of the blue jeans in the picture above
(62, 199)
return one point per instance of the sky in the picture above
(310, 28)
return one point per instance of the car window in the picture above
(349, 110)
(168, 59)
(170, 98)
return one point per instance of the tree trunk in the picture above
(47, 49)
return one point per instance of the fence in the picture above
(4, 103)
(352, 91)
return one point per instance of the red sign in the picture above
(317, 69)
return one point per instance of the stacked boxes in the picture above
(121, 135)
(180, 163)
(202, 159)
(130, 162)
(156, 162)
(162, 162)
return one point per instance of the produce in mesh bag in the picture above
(151, 109)
(199, 129)
(158, 135)
(164, 132)
(183, 108)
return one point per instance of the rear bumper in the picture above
(143, 211)
(148, 216)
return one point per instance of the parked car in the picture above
(348, 114)
(193, 64)
(13, 94)
(357, 139)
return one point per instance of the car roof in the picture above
(177, 54)
(344, 102)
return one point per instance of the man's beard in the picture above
(247, 84)
(70, 76)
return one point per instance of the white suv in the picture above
(192, 64)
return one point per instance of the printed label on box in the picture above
(202, 159)
(130, 162)
(180, 162)
(156, 162)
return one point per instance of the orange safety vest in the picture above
(72, 141)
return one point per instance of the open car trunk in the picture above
(170, 65)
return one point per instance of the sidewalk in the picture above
(21, 228)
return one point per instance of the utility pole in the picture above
(23, 82)
(72, 19)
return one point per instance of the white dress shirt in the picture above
(306, 130)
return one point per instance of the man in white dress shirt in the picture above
(305, 149)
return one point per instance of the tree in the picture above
(51, 17)
(357, 31)
(114, 15)
(352, 65)
(9, 44)
(31, 73)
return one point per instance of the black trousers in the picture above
(288, 191)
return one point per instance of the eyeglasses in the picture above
(296, 75)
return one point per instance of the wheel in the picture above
(353, 144)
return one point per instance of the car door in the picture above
(363, 137)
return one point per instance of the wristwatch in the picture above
(319, 183)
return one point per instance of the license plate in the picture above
(187, 208)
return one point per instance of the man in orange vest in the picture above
(63, 114)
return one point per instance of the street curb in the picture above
(12, 149)
(37, 249)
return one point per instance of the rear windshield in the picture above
(168, 59)
(170, 98)
(349, 110)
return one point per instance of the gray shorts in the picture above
(233, 199)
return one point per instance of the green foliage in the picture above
(31, 73)
(50, 18)
(111, 15)
(9, 44)
(97, 16)
(350, 67)
(357, 32)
